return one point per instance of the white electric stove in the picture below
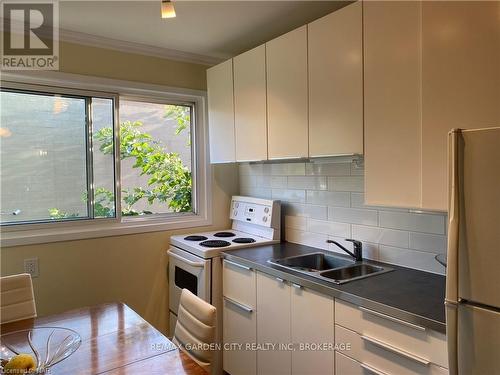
(209, 244)
(255, 222)
(195, 262)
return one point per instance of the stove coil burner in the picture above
(244, 240)
(195, 238)
(224, 234)
(215, 243)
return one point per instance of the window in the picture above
(47, 168)
(156, 158)
(80, 163)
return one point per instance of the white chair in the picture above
(17, 301)
(195, 329)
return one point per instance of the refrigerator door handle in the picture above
(451, 299)
(453, 216)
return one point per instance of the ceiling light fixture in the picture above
(167, 9)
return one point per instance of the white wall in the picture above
(325, 200)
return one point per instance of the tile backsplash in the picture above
(325, 200)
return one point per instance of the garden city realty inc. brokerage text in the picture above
(266, 346)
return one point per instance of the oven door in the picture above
(188, 271)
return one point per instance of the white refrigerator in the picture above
(473, 272)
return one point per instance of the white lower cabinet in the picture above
(239, 329)
(381, 357)
(300, 322)
(423, 344)
(273, 325)
(239, 319)
(286, 329)
(345, 365)
(383, 344)
(313, 325)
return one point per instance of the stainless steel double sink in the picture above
(329, 267)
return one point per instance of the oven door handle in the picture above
(187, 261)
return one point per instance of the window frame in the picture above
(66, 83)
(194, 163)
(88, 96)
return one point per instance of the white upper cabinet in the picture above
(221, 112)
(287, 95)
(335, 50)
(250, 105)
(392, 94)
(297, 96)
(461, 82)
(429, 67)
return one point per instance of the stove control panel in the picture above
(252, 210)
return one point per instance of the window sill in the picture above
(80, 231)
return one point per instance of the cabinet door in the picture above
(221, 112)
(336, 83)
(286, 63)
(273, 325)
(250, 112)
(392, 65)
(312, 323)
(461, 82)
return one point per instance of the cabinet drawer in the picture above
(409, 337)
(239, 329)
(347, 366)
(376, 356)
(239, 284)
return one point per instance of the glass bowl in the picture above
(47, 345)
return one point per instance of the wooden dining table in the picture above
(115, 341)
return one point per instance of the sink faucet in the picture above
(358, 248)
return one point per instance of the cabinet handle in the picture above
(238, 265)
(332, 155)
(391, 318)
(239, 305)
(395, 350)
(279, 279)
(297, 286)
(371, 369)
(288, 158)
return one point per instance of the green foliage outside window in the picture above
(170, 181)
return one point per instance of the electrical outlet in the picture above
(31, 266)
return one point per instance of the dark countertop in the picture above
(408, 294)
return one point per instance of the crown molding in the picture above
(136, 48)
(125, 46)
